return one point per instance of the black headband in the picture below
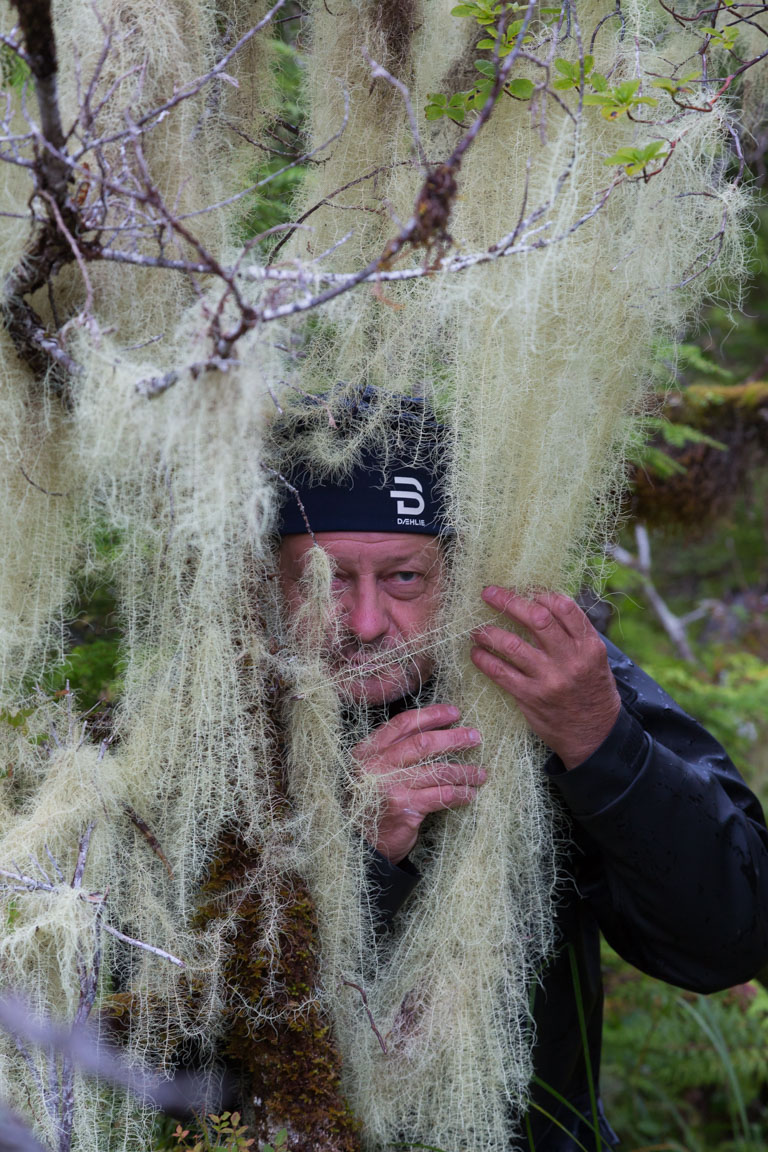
(395, 485)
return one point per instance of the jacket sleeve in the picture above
(387, 887)
(675, 847)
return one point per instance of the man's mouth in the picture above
(378, 661)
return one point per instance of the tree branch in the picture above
(36, 23)
(673, 625)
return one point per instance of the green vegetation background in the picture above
(681, 1071)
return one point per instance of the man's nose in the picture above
(365, 614)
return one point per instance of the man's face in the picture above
(387, 587)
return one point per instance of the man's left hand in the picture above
(560, 678)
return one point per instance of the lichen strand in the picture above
(289, 1072)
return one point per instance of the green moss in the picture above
(290, 1072)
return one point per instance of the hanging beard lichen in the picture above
(230, 745)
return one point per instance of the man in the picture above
(669, 848)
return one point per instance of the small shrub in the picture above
(222, 1133)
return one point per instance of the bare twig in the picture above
(369, 1014)
(156, 385)
(160, 111)
(36, 23)
(144, 828)
(142, 944)
(34, 485)
(379, 72)
(329, 198)
(186, 1091)
(295, 493)
(18, 881)
(274, 175)
(82, 855)
(674, 626)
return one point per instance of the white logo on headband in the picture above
(408, 503)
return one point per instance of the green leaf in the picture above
(573, 71)
(437, 106)
(600, 99)
(625, 91)
(13, 70)
(668, 85)
(521, 88)
(598, 82)
(486, 67)
(464, 10)
(635, 159)
(12, 913)
(623, 156)
(654, 149)
(565, 67)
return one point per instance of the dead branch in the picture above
(15, 880)
(142, 944)
(36, 23)
(148, 835)
(369, 1014)
(187, 1091)
(29, 480)
(15, 1136)
(379, 72)
(114, 211)
(674, 626)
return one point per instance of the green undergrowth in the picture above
(278, 172)
(92, 666)
(214, 1133)
(681, 1071)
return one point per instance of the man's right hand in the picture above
(403, 743)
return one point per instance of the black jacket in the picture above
(669, 860)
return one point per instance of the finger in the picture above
(509, 647)
(500, 671)
(535, 615)
(448, 773)
(426, 745)
(444, 796)
(413, 721)
(571, 618)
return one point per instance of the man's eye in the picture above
(406, 577)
